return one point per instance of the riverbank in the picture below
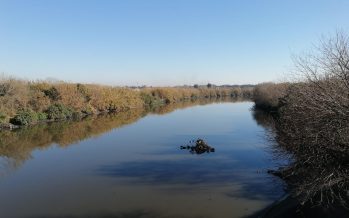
(24, 103)
(302, 126)
(295, 174)
(311, 123)
(300, 177)
(159, 107)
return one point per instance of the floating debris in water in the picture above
(197, 147)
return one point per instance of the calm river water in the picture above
(130, 165)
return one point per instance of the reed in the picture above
(26, 102)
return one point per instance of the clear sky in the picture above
(161, 42)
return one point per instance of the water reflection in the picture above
(264, 119)
(16, 146)
(92, 168)
(269, 121)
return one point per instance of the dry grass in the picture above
(268, 95)
(20, 95)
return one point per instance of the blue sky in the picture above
(148, 42)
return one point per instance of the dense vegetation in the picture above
(267, 96)
(25, 102)
(313, 123)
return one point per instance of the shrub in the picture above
(148, 99)
(4, 88)
(268, 95)
(72, 95)
(15, 95)
(91, 99)
(42, 116)
(2, 117)
(236, 92)
(88, 109)
(24, 117)
(58, 112)
(38, 101)
(313, 124)
(106, 98)
(82, 89)
(53, 94)
(77, 115)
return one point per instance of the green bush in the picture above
(77, 115)
(2, 117)
(59, 112)
(83, 91)
(24, 118)
(88, 110)
(42, 116)
(4, 88)
(148, 99)
(53, 94)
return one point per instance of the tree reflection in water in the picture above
(16, 146)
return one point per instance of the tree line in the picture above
(27, 102)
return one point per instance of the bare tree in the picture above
(314, 124)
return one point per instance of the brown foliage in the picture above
(315, 123)
(104, 98)
(171, 95)
(17, 95)
(268, 95)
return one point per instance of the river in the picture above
(130, 165)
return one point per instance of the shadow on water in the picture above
(194, 173)
(131, 214)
